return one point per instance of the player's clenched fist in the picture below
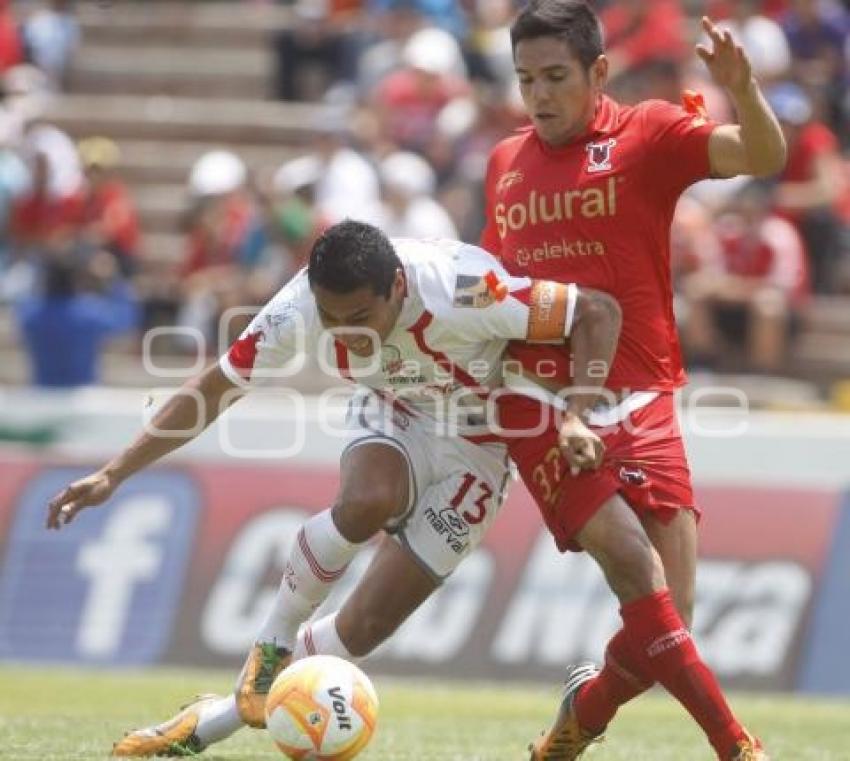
(87, 492)
(581, 447)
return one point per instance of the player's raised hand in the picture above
(87, 492)
(581, 447)
(726, 60)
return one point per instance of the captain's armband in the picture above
(552, 308)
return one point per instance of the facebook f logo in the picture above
(128, 552)
(105, 589)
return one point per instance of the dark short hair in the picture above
(351, 255)
(572, 21)
(61, 278)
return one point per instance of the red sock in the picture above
(656, 631)
(622, 678)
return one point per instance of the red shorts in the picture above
(644, 461)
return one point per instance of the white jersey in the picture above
(444, 354)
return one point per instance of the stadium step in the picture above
(822, 356)
(190, 24)
(828, 314)
(8, 331)
(760, 391)
(163, 247)
(146, 162)
(165, 118)
(173, 70)
(821, 352)
(161, 208)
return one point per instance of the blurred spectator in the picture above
(388, 30)
(814, 185)
(225, 242)
(344, 184)
(52, 35)
(761, 37)
(11, 41)
(14, 183)
(322, 42)
(409, 101)
(488, 48)
(446, 14)
(296, 223)
(747, 293)
(694, 243)
(817, 32)
(409, 184)
(109, 218)
(466, 133)
(26, 96)
(638, 33)
(64, 328)
(222, 232)
(47, 218)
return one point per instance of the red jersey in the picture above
(110, 207)
(598, 212)
(412, 107)
(771, 251)
(38, 218)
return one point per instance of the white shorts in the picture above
(456, 487)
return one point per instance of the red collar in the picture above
(606, 119)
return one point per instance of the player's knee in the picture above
(360, 513)
(633, 568)
(684, 601)
(372, 630)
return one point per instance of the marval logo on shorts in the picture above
(599, 155)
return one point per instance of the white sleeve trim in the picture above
(231, 372)
(572, 302)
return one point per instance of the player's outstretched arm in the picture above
(183, 417)
(756, 144)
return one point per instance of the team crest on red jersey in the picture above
(599, 155)
(508, 179)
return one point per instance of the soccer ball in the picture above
(321, 708)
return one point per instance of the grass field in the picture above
(48, 714)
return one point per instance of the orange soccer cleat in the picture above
(749, 749)
(174, 737)
(265, 661)
(565, 740)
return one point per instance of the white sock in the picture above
(321, 638)
(218, 720)
(318, 559)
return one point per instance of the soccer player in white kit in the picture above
(420, 326)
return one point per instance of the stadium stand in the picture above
(171, 85)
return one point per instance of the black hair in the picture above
(60, 279)
(572, 21)
(352, 255)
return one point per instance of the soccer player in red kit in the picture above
(587, 194)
